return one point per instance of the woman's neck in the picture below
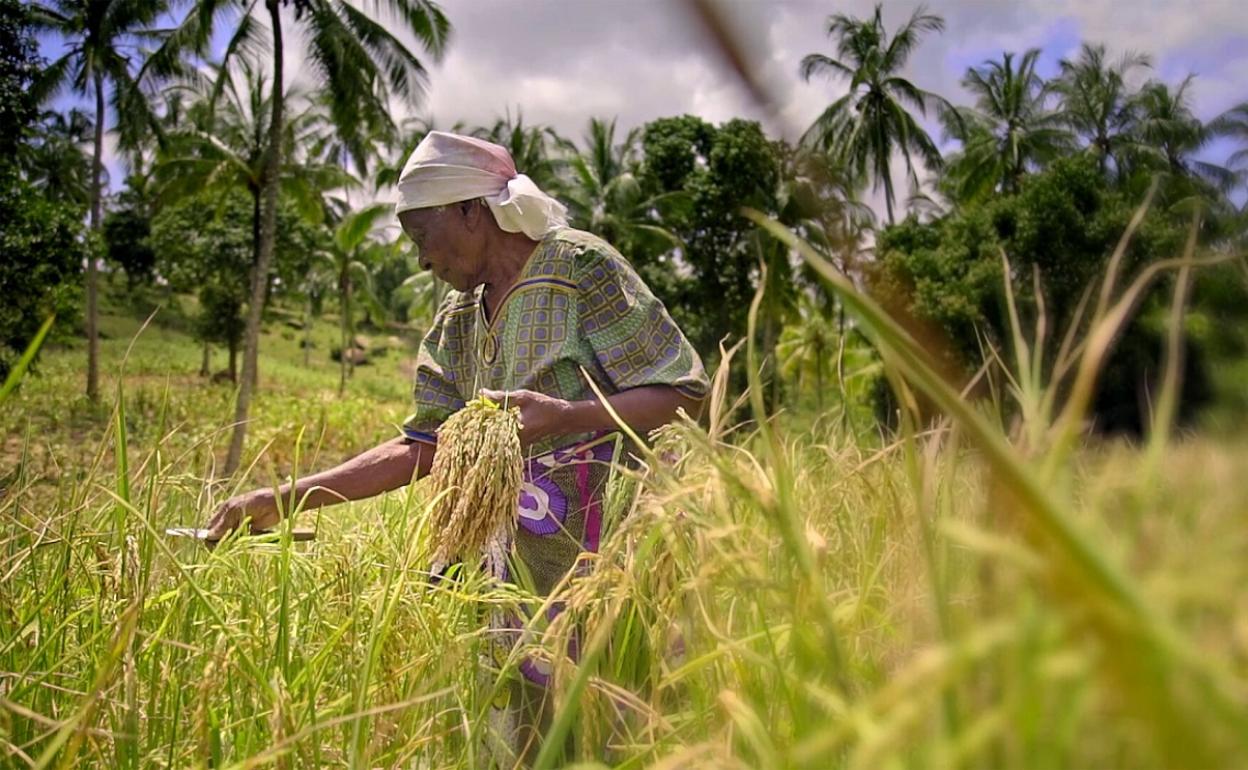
(505, 261)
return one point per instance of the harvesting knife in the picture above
(297, 535)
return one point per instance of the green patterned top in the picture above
(577, 308)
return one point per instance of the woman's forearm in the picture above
(380, 469)
(385, 467)
(641, 409)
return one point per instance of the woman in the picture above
(537, 309)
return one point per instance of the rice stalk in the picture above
(479, 466)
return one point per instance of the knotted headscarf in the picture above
(449, 168)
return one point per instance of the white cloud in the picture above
(560, 62)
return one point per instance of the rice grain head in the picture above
(479, 468)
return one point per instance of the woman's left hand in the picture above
(541, 416)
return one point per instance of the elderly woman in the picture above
(537, 309)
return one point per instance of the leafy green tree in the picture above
(205, 242)
(19, 70)
(1009, 132)
(868, 125)
(40, 238)
(389, 274)
(813, 353)
(805, 349)
(43, 247)
(1098, 102)
(126, 231)
(709, 283)
(101, 37)
(1066, 223)
(221, 321)
(945, 277)
(127, 228)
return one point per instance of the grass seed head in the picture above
(479, 467)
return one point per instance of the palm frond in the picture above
(907, 38)
(355, 228)
(818, 64)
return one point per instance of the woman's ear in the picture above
(471, 212)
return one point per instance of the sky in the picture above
(560, 62)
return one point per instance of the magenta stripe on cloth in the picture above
(593, 512)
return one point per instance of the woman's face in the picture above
(449, 240)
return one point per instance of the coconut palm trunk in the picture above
(884, 171)
(97, 219)
(307, 334)
(819, 376)
(260, 270)
(257, 218)
(344, 357)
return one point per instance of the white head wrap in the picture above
(449, 168)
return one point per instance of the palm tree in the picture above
(352, 250)
(426, 292)
(101, 37)
(1097, 100)
(605, 197)
(1233, 124)
(361, 63)
(821, 202)
(1009, 132)
(216, 135)
(531, 147)
(219, 145)
(413, 130)
(866, 126)
(56, 161)
(1170, 135)
(805, 347)
(354, 154)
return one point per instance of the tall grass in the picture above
(973, 593)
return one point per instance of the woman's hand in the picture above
(259, 505)
(541, 416)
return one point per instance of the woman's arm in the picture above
(396, 462)
(385, 467)
(643, 409)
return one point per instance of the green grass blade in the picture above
(23, 363)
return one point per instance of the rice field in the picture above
(979, 591)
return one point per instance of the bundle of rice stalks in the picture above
(477, 471)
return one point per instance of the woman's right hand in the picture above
(258, 505)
